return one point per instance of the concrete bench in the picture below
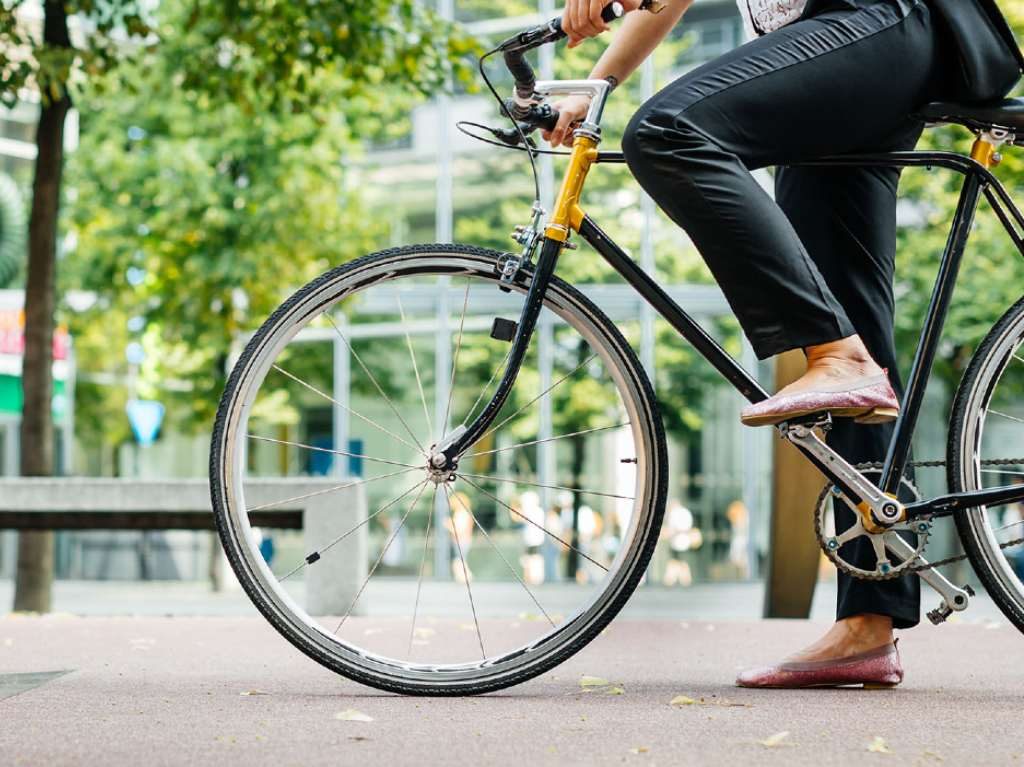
(313, 505)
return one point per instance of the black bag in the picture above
(989, 61)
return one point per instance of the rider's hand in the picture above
(571, 109)
(582, 18)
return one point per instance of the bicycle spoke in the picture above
(415, 367)
(1007, 527)
(556, 383)
(549, 439)
(314, 556)
(423, 565)
(465, 572)
(373, 380)
(509, 566)
(315, 493)
(329, 450)
(380, 558)
(496, 499)
(1003, 471)
(346, 408)
(1007, 415)
(549, 487)
(455, 362)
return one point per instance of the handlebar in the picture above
(515, 49)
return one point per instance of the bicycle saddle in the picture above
(1008, 113)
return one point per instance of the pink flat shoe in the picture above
(871, 400)
(873, 669)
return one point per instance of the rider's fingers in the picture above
(581, 18)
(598, 24)
(569, 23)
(558, 135)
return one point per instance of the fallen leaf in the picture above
(615, 691)
(639, 750)
(776, 740)
(253, 692)
(683, 700)
(352, 715)
(933, 755)
(878, 746)
(593, 681)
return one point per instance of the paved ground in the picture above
(711, 601)
(171, 691)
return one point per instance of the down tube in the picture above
(663, 304)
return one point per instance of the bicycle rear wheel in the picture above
(456, 595)
(986, 437)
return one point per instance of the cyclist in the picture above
(813, 268)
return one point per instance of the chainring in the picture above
(831, 544)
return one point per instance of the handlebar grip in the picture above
(611, 12)
(546, 117)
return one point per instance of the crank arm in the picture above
(954, 598)
(858, 491)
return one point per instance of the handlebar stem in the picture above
(597, 90)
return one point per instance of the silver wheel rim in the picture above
(566, 634)
(972, 473)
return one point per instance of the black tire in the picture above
(970, 408)
(345, 664)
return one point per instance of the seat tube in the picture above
(938, 308)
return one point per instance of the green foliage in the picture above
(110, 32)
(212, 181)
(992, 275)
(13, 224)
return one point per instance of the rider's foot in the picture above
(841, 378)
(856, 650)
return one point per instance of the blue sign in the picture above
(145, 416)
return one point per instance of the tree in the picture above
(256, 55)
(992, 271)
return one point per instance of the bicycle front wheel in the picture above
(455, 584)
(986, 445)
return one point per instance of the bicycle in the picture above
(380, 301)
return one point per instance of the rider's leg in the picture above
(820, 86)
(847, 219)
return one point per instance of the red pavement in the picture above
(169, 691)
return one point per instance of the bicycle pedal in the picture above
(940, 614)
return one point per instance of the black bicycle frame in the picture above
(978, 181)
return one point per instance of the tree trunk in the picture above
(35, 549)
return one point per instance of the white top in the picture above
(763, 16)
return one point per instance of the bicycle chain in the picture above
(931, 565)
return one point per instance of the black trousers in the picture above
(815, 264)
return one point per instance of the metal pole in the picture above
(443, 228)
(341, 394)
(547, 72)
(546, 448)
(442, 378)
